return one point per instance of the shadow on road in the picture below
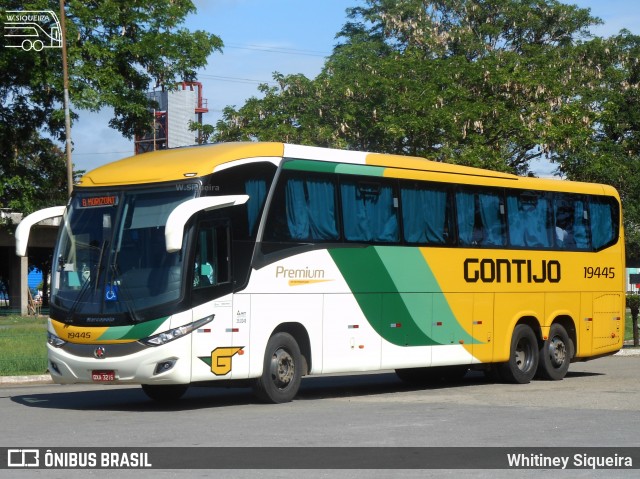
(132, 398)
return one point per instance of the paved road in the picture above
(597, 404)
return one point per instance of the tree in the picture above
(488, 83)
(203, 131)
(609, 152)
(483, 82)
(117, 51)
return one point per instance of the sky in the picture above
(266, 36)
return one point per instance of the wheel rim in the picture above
(282, 368)
(557, 352)
(523, 355)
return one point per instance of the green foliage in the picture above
(35, 177)
(120, 50)
(633, 303)
(494, 84)
(487, 83)
(23, 348)
(203, 131)
(117, 51)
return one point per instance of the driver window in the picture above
(211, 262)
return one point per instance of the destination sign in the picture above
(96, 201)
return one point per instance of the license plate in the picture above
(102, 376)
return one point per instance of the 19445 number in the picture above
(598, 272)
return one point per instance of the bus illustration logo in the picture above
(32, 29)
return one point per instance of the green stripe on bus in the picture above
(306, 165)
(137, 331)
(348, 169)
(378, 297)
(329, 167)
(399, 295)
(418, 286)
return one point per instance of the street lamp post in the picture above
(67, 118)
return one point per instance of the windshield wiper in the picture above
(128, 299)
(86, 284)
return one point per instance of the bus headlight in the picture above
(175, 333)
(54, 340)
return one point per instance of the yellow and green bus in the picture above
(264, 262)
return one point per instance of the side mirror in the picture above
(24, 227)
(174, 229)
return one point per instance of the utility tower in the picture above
(171, 119)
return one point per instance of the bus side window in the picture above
(369, 212)
(570, 219)
(303, 209)
(480, 218)
(211, 264)
(603, 218)
(425, 215)
(311, 209)
(564, 215)
(528, 218)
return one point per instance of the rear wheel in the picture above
(523, 360)
(165, 392)
(555, 354)
(282, 370)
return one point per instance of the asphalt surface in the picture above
(594, 406)
(45, 378)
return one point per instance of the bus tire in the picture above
(282, 370)
(524, 355)
(165, 392)
(555, 354)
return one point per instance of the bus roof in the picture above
(176, 163)
(196, 161)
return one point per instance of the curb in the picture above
(16, 380)
(628, 352)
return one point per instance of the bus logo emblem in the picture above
(32, 29)
(99, 352)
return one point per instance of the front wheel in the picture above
(282, 370)
(165, 392)
(555, 354)
(523, 360)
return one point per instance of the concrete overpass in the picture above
(14, 269)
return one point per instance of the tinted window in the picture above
(303, 209)
(369, 211)
(425, 211)
(480, 218)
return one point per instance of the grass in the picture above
(23, 345)
(628, 328)
(23, 338)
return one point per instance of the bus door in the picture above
(211, 281)
(585, 325)
(607, 320)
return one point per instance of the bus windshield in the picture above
(111, 255)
